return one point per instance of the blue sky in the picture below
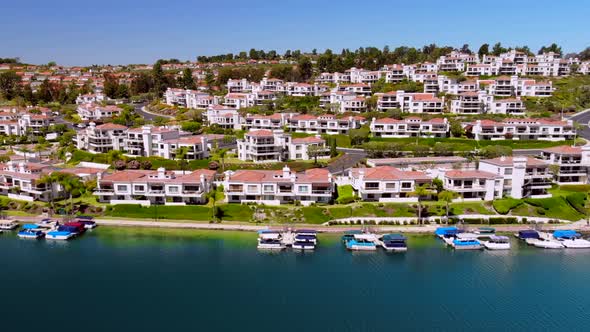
(129, 31)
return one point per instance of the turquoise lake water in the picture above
(220, 282)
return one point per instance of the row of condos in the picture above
(390, 180)
(521, 129)
(228, 118)
(264, 145)
(146, 141)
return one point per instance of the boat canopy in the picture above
(369, 237)
(394, 237)
(446, 230)
(466, 236)
(304, 237)
(270, 236)
(566, 234)
(30, 226)
(528, 234)
(486, 230)
(306, 231)
(499, 239)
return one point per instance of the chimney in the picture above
(10, 165)
(161, 173)
(21, 167)
(361, 174)
(286, 172)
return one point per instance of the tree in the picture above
(465, 49)
(191, 126)
(305, 68)
(51, 180)
(420, 192)
(314, 151)
(551, 48)
(456, 129)
(111, 85)
(160, 121)
(438, 185)
(333, 150)
(71, 185)
(188, 82)
(158, 79)
(180, 154)
(498, 49)
(9, 85)
(483, 50)
(447, 197)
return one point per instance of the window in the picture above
(138, 188)
(406, 185)
(268, 188)
(390, 186)
(252, 188)
(508, 171)
(173, 189)
(121, 187)
(303, 189)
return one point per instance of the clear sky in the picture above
(129, 31)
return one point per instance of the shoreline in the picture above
(415, 229)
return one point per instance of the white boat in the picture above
(466, 241)
(548, 244)
(270, 240)
(576, 244)
(6, 225)
(362, 242)
(59, 235)
(571, 239)
(303, 245)
(497, 243)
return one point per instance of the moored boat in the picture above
(270, 240)
(362, 242)
(349, 235)
(466, 241)
(8, 225)
(496, 242)
(530, 236)
(394, 242)
(485, 231)
(66, 231)
(571, 239)
(442, 232)
(548, 244)
(87, 221)
(305, 239)
(30, 231)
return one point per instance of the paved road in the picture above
(146, 115)
(350, 158)
(583, 118)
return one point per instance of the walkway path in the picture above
(578, 225)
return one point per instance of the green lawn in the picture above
(503, 206)
(190, 212)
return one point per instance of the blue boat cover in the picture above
(30, 226)
(568, 234)
(446, 230)
(528, 234)
(353, 232)
(305, 237)
(59, 233)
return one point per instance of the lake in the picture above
(183, 280)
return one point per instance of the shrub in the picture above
(503, 206)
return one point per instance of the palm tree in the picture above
(38, 148)
(180, 154)
(50, 180)
(25, 150)
(221, 153)
(69, 184)
(420, 192)
(447, 197)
